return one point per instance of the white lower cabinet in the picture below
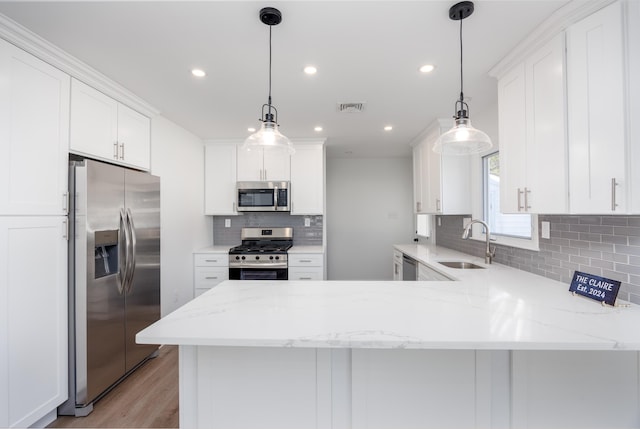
(306, 266)
(209, 270)
(33, 321)
(397, 265)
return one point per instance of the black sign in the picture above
(595, 287)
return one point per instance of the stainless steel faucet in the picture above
(490, 253)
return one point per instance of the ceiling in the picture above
(365, 51)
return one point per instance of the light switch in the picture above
(546, 229)
(307, 221)
(227, 223)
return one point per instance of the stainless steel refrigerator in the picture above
(114, 276)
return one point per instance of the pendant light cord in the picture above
(461, 81)
(269, 102)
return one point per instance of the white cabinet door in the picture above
(250, 165)
(512, 127)
(263, 164)
(94, 123)
(546, 153)
(104, 129)
(134, 137)
(307, 180)
(33, 329)
(220, 179)
(34, 134)
(533, 154)
(277, 165)
(417, 178)
(441, 182)
(595, 84)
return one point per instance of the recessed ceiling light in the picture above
(388, 128)
(427, 68)
(318, 129)
(198, 73)
(310, 70)
(251, 130)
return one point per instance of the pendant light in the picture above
(268, 136)
(462, 139)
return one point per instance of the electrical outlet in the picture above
(546, 229)
(307, 222)
(439, 221)
(227, 223)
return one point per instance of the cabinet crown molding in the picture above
(37, 46)
(562, 18)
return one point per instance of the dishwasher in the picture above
(409, 268)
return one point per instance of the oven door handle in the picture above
(259, 265)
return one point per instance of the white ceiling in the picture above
(365, 51)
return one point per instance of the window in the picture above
(423, 225)
(508, 225)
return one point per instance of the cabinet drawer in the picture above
(211, 259)
(306, 273)
(209, 277)
(306, 260)
(397, 256)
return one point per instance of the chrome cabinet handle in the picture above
(520, 207)
(265, 174)
(304, 278)
(304, 260)
(233, 207)
(614, 204)
(65, 229)
(65, 202)
(122, 147)
(438, 208)
(115, 150)
(211, 260)
(418, 208)
(210, 278)
(526, 199)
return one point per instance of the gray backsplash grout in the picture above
(607, 246)
(302, 235)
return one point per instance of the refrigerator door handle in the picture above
(123, 250)
(132, 259)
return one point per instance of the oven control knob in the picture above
(243, 258)
(270, 257)
(257, 257)
(277, 257)
(238, 257)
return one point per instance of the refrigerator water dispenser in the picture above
(106, 253)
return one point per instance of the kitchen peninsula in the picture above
(498, 348)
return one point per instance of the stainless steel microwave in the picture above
(263, 196)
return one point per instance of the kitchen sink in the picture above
(460, 264)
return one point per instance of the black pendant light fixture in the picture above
(462, 139)
(268, 136)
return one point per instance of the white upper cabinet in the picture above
(34, 134)
(307, 179)
(103, 128)
(220, 178)
(596, 113)
(533, 154)
(441, 183)
(263, 164)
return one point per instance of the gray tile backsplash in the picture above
(607, 246)
(302, 236)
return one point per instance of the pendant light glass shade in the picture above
(268, 136)
(462, 139)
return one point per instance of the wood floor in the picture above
(148, 398)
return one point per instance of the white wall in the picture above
(369, 209)
(177, 156)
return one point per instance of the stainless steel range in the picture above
(262, 254)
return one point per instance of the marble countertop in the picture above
(497, 308)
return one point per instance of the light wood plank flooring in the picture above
(148, 398)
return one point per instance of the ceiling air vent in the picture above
(350, 107)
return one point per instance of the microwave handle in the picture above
(275, 197)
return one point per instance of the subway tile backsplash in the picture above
(607, 246)
(302, 235)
